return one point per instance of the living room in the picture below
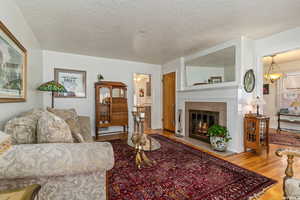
(203, 78)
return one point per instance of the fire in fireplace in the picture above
(200, 121)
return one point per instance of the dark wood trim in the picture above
(24, 71)
(116, 136)
(171, 131)
(58, 70)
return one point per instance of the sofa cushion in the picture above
(71, 118)
(34, 113)
(22, 130)
(5, 143)
(85, 127)
(64, 113)
(53, 129)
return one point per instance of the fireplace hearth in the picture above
(200, 121)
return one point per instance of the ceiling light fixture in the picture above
(272, 75)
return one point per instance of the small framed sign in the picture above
(266, 89)
(73, 80)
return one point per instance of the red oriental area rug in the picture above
(181, 173)
(285, 138)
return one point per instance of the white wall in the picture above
(13, 19)
(112, 70)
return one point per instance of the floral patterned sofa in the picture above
(73, 171)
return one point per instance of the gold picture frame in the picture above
(13, 68)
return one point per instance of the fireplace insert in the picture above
(199, 123)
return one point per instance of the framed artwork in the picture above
(266, 89)
(249, 81)
(13, 65)
(141, 92)
(215, 79)
(73, 80)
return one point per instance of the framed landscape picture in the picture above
(13, 64)
(73, 80)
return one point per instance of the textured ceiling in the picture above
(152, 31)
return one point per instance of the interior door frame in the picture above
(175, 100)
(134, 91)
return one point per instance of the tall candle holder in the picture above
(139, 139)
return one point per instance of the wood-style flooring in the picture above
(268, 165)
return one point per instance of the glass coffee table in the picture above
(151, 143)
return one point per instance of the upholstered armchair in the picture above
(291, 186)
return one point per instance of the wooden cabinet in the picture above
(111, 107)
(256, 132)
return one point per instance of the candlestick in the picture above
(134, 109)
(142, 115)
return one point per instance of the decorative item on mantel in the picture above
(219, 137)
(52, 86)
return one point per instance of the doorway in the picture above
(282, 94)
(169, 102)
(143, 96)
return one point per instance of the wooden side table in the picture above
(256, 132)
(27, 193)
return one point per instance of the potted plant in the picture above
(219, 137)
(100, 77)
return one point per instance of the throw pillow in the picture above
(71, 118)
(22, 130)
(52, 129)
(5, 143)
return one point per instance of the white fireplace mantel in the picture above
(231, 93)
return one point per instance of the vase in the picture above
(218, 143)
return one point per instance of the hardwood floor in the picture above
(268, 165)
